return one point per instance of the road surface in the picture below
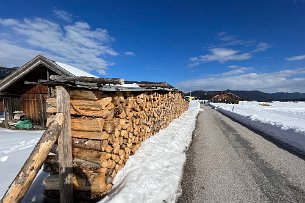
(227, 162)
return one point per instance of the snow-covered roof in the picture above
(15, 80)
(73, 70)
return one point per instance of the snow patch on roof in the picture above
(75, 71)
(133, 85)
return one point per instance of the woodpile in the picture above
(108, 127)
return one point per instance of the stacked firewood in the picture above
(108, 127)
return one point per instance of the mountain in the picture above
(6, 71)
(253, 95)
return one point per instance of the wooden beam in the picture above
(104, 81)
(147, 84)
(49, 88)
(28, 172)
(65, 146)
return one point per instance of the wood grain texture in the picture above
(65, 146)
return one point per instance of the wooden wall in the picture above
(1, 105)
(33, 104)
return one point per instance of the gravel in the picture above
(227, 162)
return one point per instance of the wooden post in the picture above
(28, 172)
(65, 146)
(8, 110)
(42, 110)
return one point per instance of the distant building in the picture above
(21, 91)
(224, 97)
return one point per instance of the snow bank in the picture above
(290, 135)
(287, 115)
(154, 172)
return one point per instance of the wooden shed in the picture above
(226, 97)
(21, 91)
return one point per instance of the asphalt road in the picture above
(227, 162)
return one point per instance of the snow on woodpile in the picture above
(154, 172)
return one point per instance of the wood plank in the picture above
(103, 81)
(65, 146)
(87, 135)
(90, 125)
(85, 112)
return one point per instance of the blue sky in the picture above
(208, 45)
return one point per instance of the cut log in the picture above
(86, 154)
(88, 135)
(79, 196)
(83, 164)
(86, 144)
(109, 127)
(97, 186)
(51, 165)
(105, 102)
(91, 125)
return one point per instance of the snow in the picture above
(133, 85)
(281, 122)
(75, 71)
(154, 172)
(287, 115)
(15, 147)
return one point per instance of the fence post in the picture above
(65, 146)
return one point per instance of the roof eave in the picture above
(26, 68)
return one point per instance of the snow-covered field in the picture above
(15, 147)
(287, 115)
(283, 122)
(152, 174)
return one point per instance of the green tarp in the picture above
(26, 124)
